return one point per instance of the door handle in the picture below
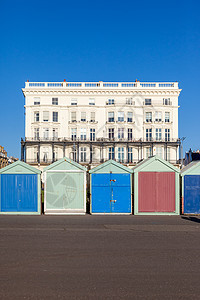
(113, 201)
(113, 180)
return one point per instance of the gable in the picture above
(111, 166)
(65, 164)
(155, 164)
(192, 169)
(19, 167)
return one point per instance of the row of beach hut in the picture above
(151, 187)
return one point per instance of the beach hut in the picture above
(111, 189)
(156, 187)
(191, 188)
(65, 188)
(20, 189)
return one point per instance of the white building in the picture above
(91, 122)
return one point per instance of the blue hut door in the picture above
(192, 194)
(111, 193)
(120, 193)
(19, 192)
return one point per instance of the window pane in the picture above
(54, 101)
(120, 116)
(36, 116)
(45, 116)
(167, 117)
(73, 116)
(55, 116)
(148, 116)
(91, 101)
(83, 116)
(92, 118)
(73, 101)
(147, 101)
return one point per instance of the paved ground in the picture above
(99, 257)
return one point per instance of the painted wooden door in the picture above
(111, 193)
(64, 190)
(156, 192)
(192, 194)
(19, 193)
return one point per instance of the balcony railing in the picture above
(101, 84)
(70, 139)
(134, 161)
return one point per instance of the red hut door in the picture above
(156, 192)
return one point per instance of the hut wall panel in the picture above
(165, 188)
(192, 194)
(65, 190)
(156, 192)
(21, 193)
(111, 193)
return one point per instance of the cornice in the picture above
(28, 92)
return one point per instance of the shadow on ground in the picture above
(193, 219)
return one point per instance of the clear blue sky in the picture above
(98, 40)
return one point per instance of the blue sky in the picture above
(98, 40)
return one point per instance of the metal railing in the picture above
(101, 84)
(70, 139)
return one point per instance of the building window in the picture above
(148, 117)
(167, 117)
(91, 101)
(159, 152)
(111, 153)
(36, 155)
(130, 134)
(83, 116)
(158, 116)
(73, 134)
(167, 135)
(74, 153)
(55, 133)
(55, 155)
(111, 133)
(83, 154)
(129, 117)
(111, 101)
(45, 116)
(129, 101)
(130, 154)
(92, 134)
(73, 116)
(147, 102)
(120, 133)
(73, 101)
(121, 154)
(148, 134)
(168, 154)
(55, 116)
(54, 101)
(111, 116)
(148, 152)
(46, 133)
(166, 101)
(158, 134)
(120, 116)
(92, 116)
(36, 116)
(36, 134)
(36, 101)
(45, 155)
(83, 134)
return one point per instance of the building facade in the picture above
(5, 159)
(91, 122)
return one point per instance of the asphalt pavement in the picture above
(99, 257)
